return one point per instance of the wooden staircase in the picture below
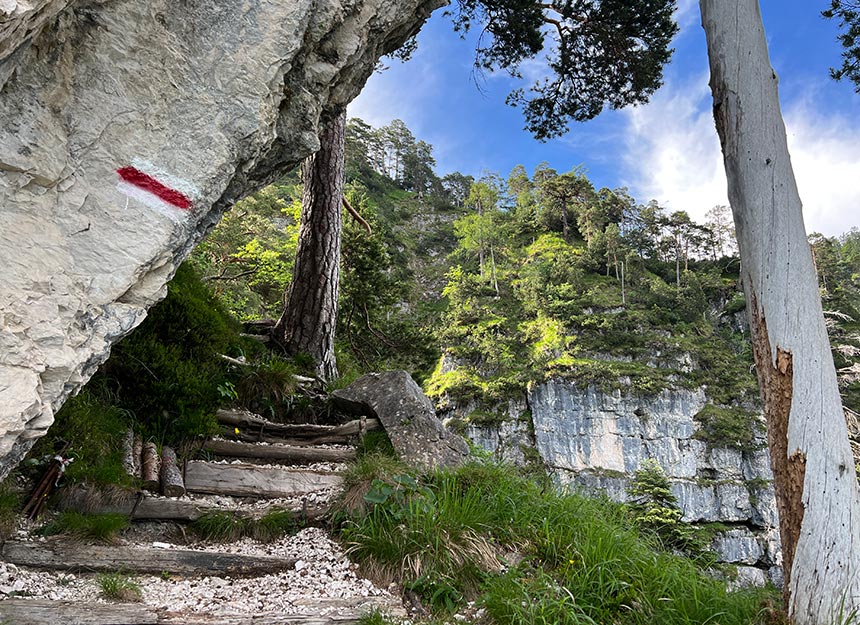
(257, 462)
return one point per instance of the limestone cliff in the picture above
(126, 129)
(596, 440)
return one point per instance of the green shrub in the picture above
(267, 386)
(730, 427)
(273, 525)
(169, 372)
(10, 505)
(369, 467)
(118, 587)
(103, 528)
(655, 508)
(219, 527)
(94, 430)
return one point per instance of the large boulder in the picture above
(126, 129)
(407, 415)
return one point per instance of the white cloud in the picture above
(673, 156)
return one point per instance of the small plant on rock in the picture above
(655, 509)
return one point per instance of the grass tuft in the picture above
(360, 476)
(229, 527)
(103, 528)
(530, 554)
(118, 587)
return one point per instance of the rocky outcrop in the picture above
(126, 129)
(596, 440)
(407, 415)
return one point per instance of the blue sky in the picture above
(666, 150)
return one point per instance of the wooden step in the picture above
(248, 480)
(286, 454)
(254, 427)
(313, 612)
(59, 554)
(143, 506)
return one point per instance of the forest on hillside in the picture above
(480, 286)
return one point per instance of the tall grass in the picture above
(577, 559)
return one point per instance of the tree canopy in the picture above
(598, 53)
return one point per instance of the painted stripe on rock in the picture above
(145, 182)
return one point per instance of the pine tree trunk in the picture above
(816, 488)
(308, 323)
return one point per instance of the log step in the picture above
(248, 480)
(256, 425)
(75, 556)
(287, 454)
(313, 612)
(151, 508)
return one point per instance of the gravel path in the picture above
(322, 571)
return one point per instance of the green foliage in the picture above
(118, 587)
(376, 618)
(10, 506)
(370, 468)
(103, 528)
(169, 371)
(730, 427)
(599, 53)
(94, 429)
(655, 508)
(267, 386)
(248, 257)
(451, 537)
(848, 14)
(228, 527)
(376, 441)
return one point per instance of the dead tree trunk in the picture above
(816, 488)
(308, 323)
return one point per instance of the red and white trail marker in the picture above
(155, 188)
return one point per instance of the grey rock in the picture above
(738, 546)
(505, 438)
(408, 417)
(595, 441)
(748, 577)
(211, 99)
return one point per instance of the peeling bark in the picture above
(817, 493)
(776, 382)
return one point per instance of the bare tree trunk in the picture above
(816, 488)
(493, 269)
(623, 290)
(308, 323)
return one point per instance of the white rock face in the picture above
(596, 441)
(126, 129)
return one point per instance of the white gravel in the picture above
(322, 571)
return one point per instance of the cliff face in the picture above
(597, 440)
(126, 129)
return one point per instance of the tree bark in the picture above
(150, 466)
(172, 484)
(816, 488)
(308, 323)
